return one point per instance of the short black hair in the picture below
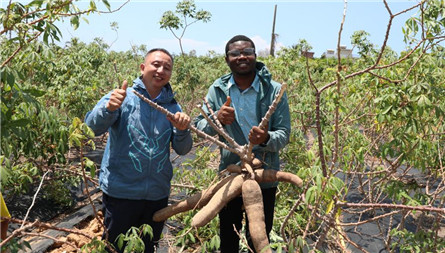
(238, 38)
(159, 49)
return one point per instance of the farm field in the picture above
(367, 140)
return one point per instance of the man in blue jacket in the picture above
(136, 171)
(241, 99)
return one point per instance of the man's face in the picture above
(241, 58)
(156, 70)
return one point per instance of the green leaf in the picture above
(330, 206)
(93, 5)
(88, 163)
(147, 229)
(75, 22)
(87, 130)
(311, 194)
(423, 101)
(19, 123)
(35, 92)
(74, 138)
(387, 109)
(191, 237)
(10, 79)
(5, 174)
(107, 4)
(36, 3)
(337, 183)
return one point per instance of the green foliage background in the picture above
(377, 127)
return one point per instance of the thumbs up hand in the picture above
(226, 114)
(117, 97)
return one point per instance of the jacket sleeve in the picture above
(182, 141)
(279, 128)
(100, 119)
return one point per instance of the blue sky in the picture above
(316, 21)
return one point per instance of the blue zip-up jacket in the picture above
(279, 124)
(136, 162)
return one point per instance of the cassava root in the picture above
(266, 176)
(226, 193)
(197, 200)
(253, 203)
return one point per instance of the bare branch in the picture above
(34, 199)
(337, 73)
(265, 120)
(392, 206)
(223, 133)
(370, 219)
(212, 113)
(191, 127)
(37, 224)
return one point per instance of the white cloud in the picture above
(260, 43)
(172, 45)
(264, 45)
(201, 47)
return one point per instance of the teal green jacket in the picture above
(279, 124)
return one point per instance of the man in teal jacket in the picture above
(136, 170)
(241, 99)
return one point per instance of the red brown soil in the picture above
(91, 227)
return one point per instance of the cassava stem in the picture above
(265, 120)
(191, 127)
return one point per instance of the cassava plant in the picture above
(375, 141)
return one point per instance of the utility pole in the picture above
(272, 42)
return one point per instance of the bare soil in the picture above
(91, 227)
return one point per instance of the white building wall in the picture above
(344, 53)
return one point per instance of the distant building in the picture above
(344, 53)
(330, 53)
(307, 54)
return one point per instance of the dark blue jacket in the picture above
(136, 162)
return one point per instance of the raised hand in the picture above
(226, 114)
(117, 97)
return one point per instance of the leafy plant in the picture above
(186, 9)
(132, 239)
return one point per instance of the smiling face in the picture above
(156, 71)
(240, 58)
